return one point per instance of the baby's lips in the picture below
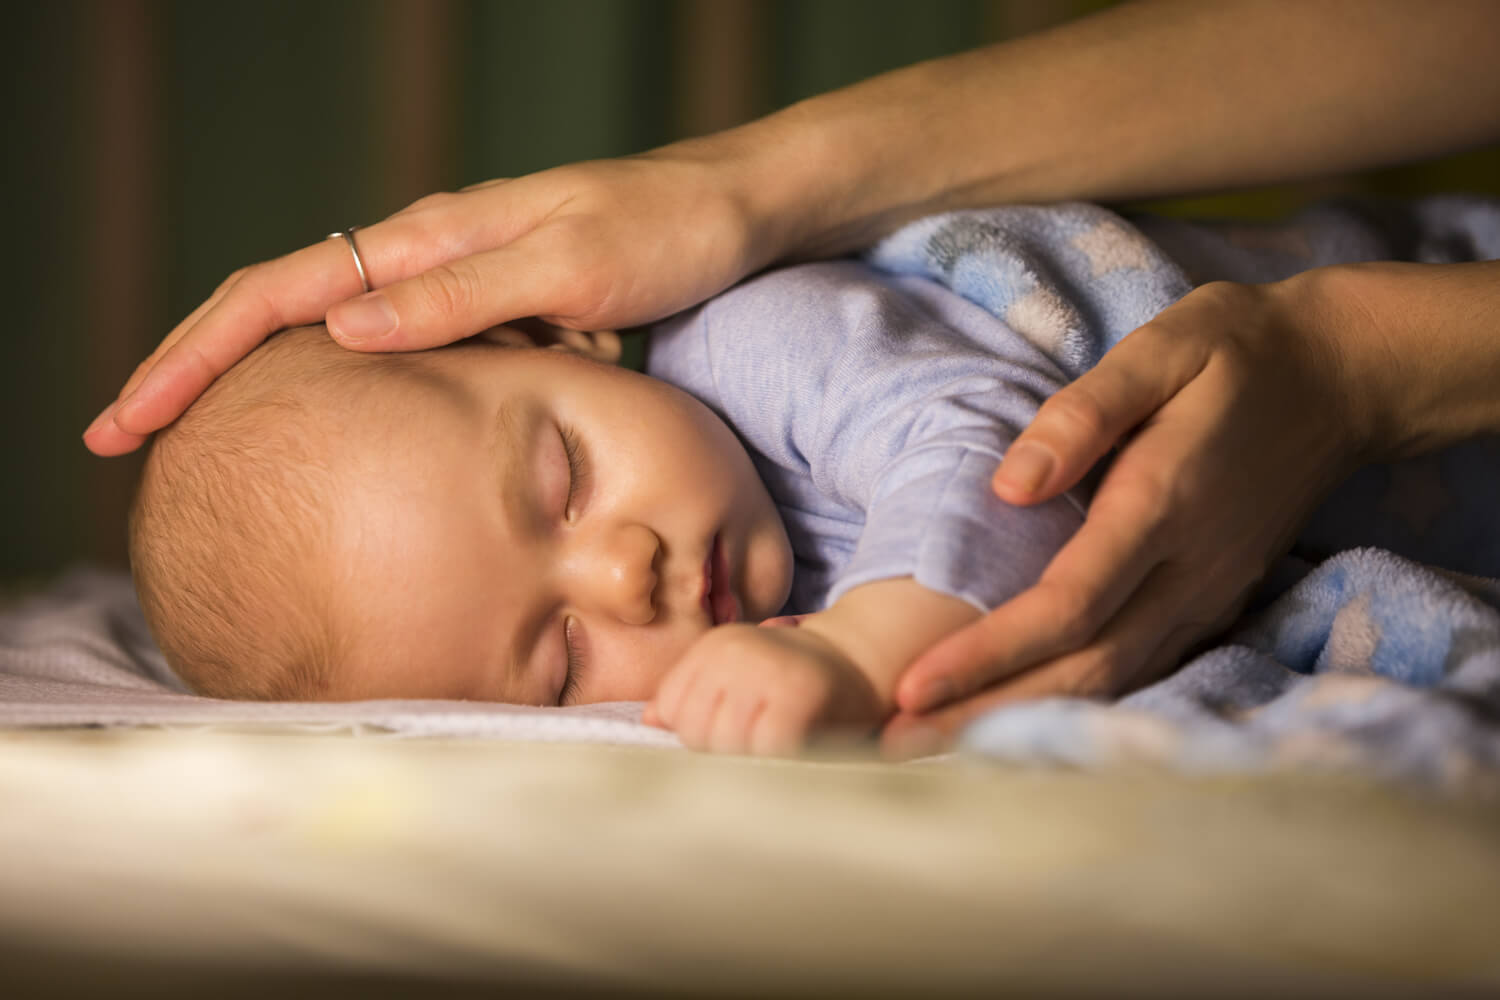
(783, 621)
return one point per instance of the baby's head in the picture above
(499, 523)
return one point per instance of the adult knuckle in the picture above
(258, 293)
(1221, 295)
(232, 280)
(1075, 411)
(450, 289)
(1144, 496)
(1075, 613)
(434, 201)
(595, 269)
(1099, 671)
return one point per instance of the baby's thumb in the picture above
(442, 304)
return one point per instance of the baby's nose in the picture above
(617, 573)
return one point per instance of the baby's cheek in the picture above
(638, 659)
(768, 580)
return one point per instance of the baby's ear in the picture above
(601, 345)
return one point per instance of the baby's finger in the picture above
(779, 730)
(670, 693)
(1079, 424)
(694, 719)
(544, 273)
(732, 722)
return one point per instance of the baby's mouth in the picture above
(718, 597)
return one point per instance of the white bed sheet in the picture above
(79, 654)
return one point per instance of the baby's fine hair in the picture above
(231, 520)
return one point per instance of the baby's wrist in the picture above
(846, 647)
(882, 627)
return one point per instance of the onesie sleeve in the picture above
(935, 518)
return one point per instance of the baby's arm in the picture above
(749, 689)
(895, 418)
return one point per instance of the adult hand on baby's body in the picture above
(1236, 410)
(590, 246)
(763, 690)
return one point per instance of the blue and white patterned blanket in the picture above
(1382, 660)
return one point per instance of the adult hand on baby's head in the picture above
(591, 246)
(1238, 410)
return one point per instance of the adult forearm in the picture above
(1150, 99)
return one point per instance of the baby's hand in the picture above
(744, 689)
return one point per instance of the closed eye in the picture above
(578, 472)
(572, 641)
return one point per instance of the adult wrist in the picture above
(834, 173)
(1325, 310)
(1415, 347)
(789, 184)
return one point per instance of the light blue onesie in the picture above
(876, 409)
(878, 403)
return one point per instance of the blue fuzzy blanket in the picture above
(1382, 659)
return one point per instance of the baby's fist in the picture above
(745, 689)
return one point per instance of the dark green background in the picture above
(267, 135)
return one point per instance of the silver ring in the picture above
(359, 265)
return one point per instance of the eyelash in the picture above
(575, 664)
(577, 468)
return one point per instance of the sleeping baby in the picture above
(503, 521)
(755, 537)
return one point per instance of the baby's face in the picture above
(531, 526)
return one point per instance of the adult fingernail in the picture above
(363, 319)
(128, 407)
(1026, 467)
(103, 418)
